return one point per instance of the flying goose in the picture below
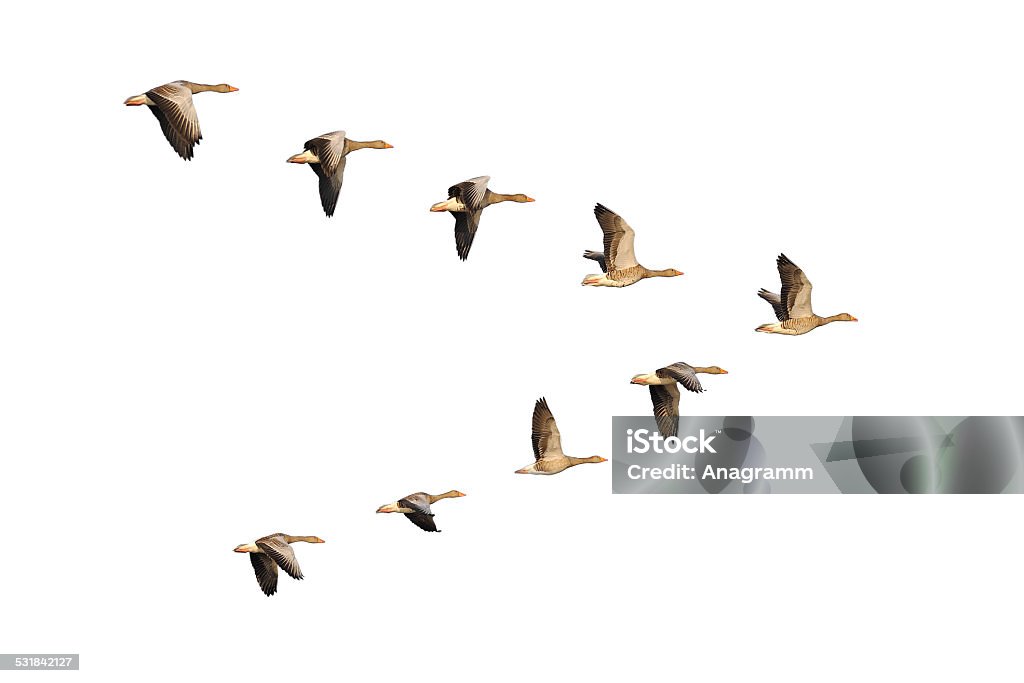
(618, 260)
(273, 551)
(665, 392)
(793, 307)
(466, 201)
(416, 507)
(326, 154)
(547, 445)
(171, 104)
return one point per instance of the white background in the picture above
(194, 356)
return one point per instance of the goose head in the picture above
(644, 378)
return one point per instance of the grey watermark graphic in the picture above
(38, 662)
(862, 454)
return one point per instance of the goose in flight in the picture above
(326, 154)
(466, 201)
(664, 382)
(618, 260)
(547, 445)
(793, 306)
(171, 104)
(273, 551)
(416, 507)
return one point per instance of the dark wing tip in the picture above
(783, 260)
(601, 209)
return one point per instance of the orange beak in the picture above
(232, 88)
(600, 459)
(725, 372)
(530, 199)
(852, 319)
(387, 146)
(296, 159)
(381, 509)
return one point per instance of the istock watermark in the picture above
(643, 441)
(851, 454)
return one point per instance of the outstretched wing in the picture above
(282, 554)
(618, 239)
(266, 572)
(665, 398)
(470, 194)
(330, 185)
(796, 288)
(466, 224)
(545, 437)
(172, 107)
(421, 515)
(682, 373)
(329, 148)
(596, 256)
(776, 302)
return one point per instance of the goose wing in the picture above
(422, 516)
(266, 572)
(796, 288)
(780, 308)
(466, 224)
(547, 441)
(330, 185)
(278, 549)
(172, 106)
(682, 373)
(470, 194)
(596, 256)
(665, 398)
(330, 150)
(618, 239)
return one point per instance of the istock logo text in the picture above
(643, 441)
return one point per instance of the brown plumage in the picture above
(326, 155)
(416, 508)
(793, 306)
(172, 106)
(467, 201)
(273, 551)
(665, 392)
(618, 261)
(547, 445)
